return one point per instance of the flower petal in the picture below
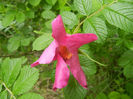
(58, 29)
(48, 55)
(76, 70)
(62, 74)
(79, 39)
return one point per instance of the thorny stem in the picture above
(79, 25)
(10, 92)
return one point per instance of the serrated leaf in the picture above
(62, 3)
(69, 19)
(10, 70)
(20, 17)
(114, 95)
(26, 80)
(97, 26)
(83, 6)
(128, 70)
(42, 42)
(51, 2)
(8, 19)
(31, 96)
(101, 96)
(34, 2)
(120, 15)
(13, 43)
(73, 90)
(48, 14)
(3, 94)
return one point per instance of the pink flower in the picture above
(64, 49)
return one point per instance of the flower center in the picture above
(64, 52)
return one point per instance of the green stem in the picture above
(10, 92)
(104, 6)
(91, 58)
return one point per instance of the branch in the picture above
(10, 92)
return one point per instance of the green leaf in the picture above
(42, 42)
(83, 6)
(26, 80)
(10, 70)
(3, 94)
(8, 19)
(129, 44)
(114, 95)
(13, 43)
(126, 58)
(73, 90)
(20, 17)
(26, 41)
(120, 15)
(31, 96)
(128, 70)
(48, 14)
(69, 19)
(62, 3)
(101, 96)
(51, 2)
(34, 2)
(30, 14)
(97, 26)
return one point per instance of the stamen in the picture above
(64, 52)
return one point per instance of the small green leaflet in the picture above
(48, 14)
(26, 80)
(20, 17)
(10, 70)
(31, 96)
(13, 43)
(42, 42)
(51, 2)
(97, 26)
(83, 6)
(121, 15)
(70, 19)
(34, 2)
(3, 95)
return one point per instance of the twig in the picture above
(10, 92)
(91, 58)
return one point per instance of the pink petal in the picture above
(58, 29)
(62, 74)
(76, 40)
(76, 70)
(48, 55)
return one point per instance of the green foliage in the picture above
(70, 19)
(25, 30)
(83, 6)
(42, 42)
(97, 26)
(120, 15)
(74, 90)
(26, 80)
(31, 96)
